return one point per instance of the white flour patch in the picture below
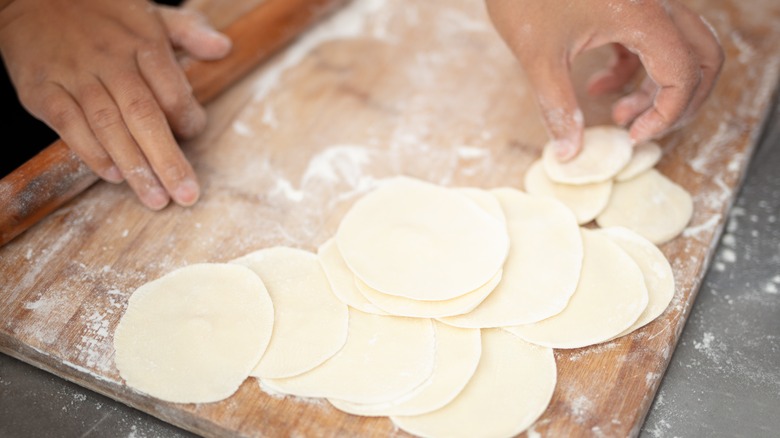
(593, 349)
(706, 343)
(728, 255)
(580, 408)
(351, 21)
(243, 129)
(706, 226)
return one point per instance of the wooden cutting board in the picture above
(384, 87)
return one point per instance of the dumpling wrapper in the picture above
(542, 269)
(510, 390)
(342, 280)
(606, 150)
(610, 296)
(656, 270)
(401, 306)
(649, 204)
(586, 201)
(194, 334)
(417, 240)
(645, 156)
(311, 323)
(457, 355)
(384, 358)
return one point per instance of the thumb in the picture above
(558, 104)
(190, 31)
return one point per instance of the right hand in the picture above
(678, 49)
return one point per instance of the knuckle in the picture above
(59, 112)
(105, 118)
(142, 107)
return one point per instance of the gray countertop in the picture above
(723, 380)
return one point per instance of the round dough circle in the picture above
(656, 270)
(605, 151)
(417, 240)
(457, 356)
(311, 323)
(586, 201)
(510, 390)
(610, 296)
(401, 306)
(194, 334)
(342, 280)
(649, 204)
(384, 358)
(646, 155)
(541, 273)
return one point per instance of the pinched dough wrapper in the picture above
(610, 296)
(413, 239)
(656, 270)
(543, 266)
(384, 358)
(649, 204)
(586, 201)
(193, 335)
(311, 323)
(510, 390)
(457, 356)
(605, 151)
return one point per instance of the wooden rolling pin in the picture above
(56, 175)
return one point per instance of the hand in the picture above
(678, 49)
(103, 75)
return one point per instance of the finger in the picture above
(147, 125)
(558, 103)
(621, 69)
(704, 41)
(628, 108)
(57, 108)
(106, 121)
(190, 31)
(673, 66)
(171, 89)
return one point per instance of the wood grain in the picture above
(384, 87)
(56, 175)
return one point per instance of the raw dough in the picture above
(342, 280)
(193, 335)
(384, 358)
(457, 356)
(649, 204)
(486, 201)
(606, 151)
(543, 267)
(586, 201)
(510, 390)
(311, 323)
(609, 298)
(646, 155)
(658, 274)
(417, 240)
(401, 306)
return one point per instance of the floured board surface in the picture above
(383, 88)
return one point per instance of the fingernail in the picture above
(564, 149)
(113, 175)
(220, 37)
(186, 193)
(156, 198)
